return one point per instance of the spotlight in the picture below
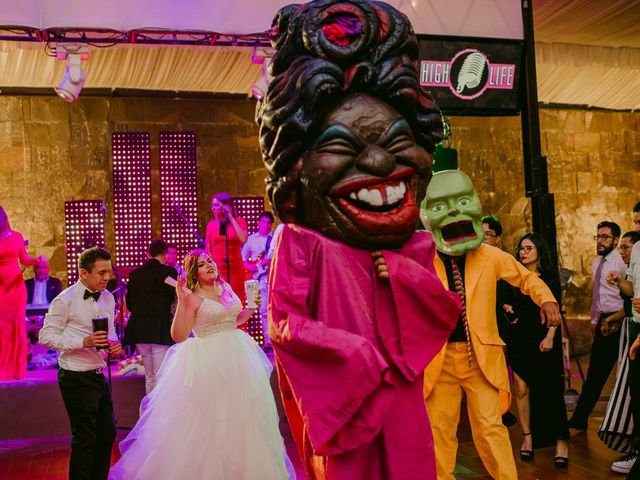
(262, 56)
(71, 85)
(259, 89)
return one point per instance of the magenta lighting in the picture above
(84, 222)
(250, 209)
(179, 190)
(131, 196)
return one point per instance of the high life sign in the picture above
(471, 77)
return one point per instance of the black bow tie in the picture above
(94, 295)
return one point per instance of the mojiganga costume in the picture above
(473, 359)
(345, 134)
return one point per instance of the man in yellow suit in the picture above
(473, 360)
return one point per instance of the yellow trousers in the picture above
(490, 436)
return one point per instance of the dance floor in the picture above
(25, 455)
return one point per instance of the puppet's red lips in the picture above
(380, 205)
(376, 194)
(383, 197)
(398, 217)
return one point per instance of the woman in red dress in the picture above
(13, 302)
(225, 227)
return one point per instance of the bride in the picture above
(212, 414)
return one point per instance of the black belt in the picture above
(95, 371)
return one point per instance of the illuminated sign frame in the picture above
(472, 76)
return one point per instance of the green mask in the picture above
(454, 213)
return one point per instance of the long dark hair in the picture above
(545, 265)
(546, 268)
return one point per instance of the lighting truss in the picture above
(106, 37)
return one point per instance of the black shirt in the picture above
(458, 334)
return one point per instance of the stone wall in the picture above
(594, 173)
(52, 151)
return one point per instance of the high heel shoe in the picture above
(526, 455)
(561, 459)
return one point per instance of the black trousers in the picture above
(604, 355)
(88, 402)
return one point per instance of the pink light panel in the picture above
(131, 196)
(250, 209)
(84, 227)
(179, 190)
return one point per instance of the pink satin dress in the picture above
(13, 301)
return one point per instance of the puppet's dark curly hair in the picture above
(327, 50)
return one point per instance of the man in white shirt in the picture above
(256, 261)
(68, 327)
(606, 307)
(631, 286)
(42, 289)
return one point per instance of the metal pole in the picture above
(535, 165)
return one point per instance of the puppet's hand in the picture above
(381, 266)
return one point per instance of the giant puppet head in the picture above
(346, 131)
(454, 213)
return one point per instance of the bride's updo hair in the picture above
(190, 266)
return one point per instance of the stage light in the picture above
(131, 196)
(250, 209)
(71, 85)
(84, 222)
(259, 89)
(179, 191)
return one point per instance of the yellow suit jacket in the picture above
(483, 268)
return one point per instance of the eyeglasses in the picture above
(624, 248)
(525, 249)
(603, 236)
(490, 235)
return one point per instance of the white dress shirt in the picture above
(633, 275)
(274, 241)
(69, 321)
(610, 300)
(39, 292)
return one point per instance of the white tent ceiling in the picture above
(588, 51)
(484, 18)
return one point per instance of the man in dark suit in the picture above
(149, 299)
(42, 288)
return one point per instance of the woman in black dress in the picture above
(535, 356)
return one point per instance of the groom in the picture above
(68, 328)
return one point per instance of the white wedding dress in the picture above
(212, 414)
